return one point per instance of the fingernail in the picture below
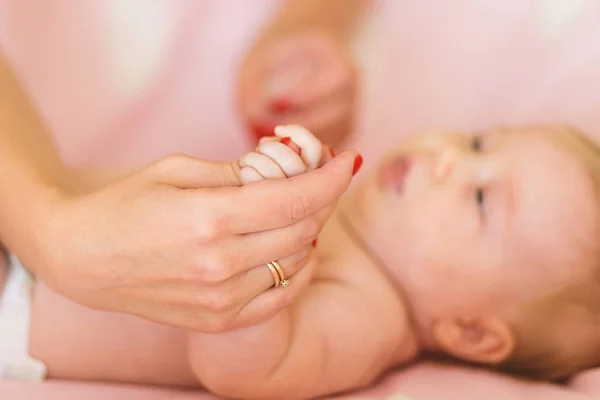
(280, 105)
(332, 152)
(289, 143)
(314, 243)
(357, 164)
(262, 130)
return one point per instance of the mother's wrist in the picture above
(25, 207)
(336, 18)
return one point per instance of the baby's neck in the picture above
(343, 243)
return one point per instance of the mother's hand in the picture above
(307, 78)
(176, 244)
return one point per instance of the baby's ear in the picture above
(482, 339)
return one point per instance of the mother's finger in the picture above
(154, 307)
(187, 172)
(252, 283)
(223, 307)
(260, 308)
(228, 296)
(273, 300)
(273, 204)
(246, 251)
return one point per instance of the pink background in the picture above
(129, 81)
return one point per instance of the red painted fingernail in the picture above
(332, 152)
(357, 164)
(262, 130)
(280, 105)
(314, 243)
(289, 143)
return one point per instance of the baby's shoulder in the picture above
(363, 279)
(375, 309)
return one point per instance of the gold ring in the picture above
(275, 274)
(283, 281)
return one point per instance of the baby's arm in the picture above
(339, 335)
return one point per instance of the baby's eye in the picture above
(480, 200)
(476, 144)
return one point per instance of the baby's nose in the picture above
(445, 163)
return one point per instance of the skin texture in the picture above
(162, 242)
(482, 237)
(215, 359)
(303, 343)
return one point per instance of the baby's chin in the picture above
(362, 213)
(359, 209)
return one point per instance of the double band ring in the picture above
(278, 274)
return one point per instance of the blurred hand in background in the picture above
(301, 71)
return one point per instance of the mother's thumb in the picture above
(187, 172)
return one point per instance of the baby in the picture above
(484, 248)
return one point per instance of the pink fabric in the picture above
(423, 382)
(132, 81)
(129, 81)
(472, 65)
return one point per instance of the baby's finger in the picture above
(249, 175)
(262, 164)
(289, 162)
(271, 138)
(309, 145)
(286, 140)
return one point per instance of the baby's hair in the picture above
(538, 358)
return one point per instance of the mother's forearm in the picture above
(31, 172)
(337, 16)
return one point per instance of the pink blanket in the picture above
(128, 81)
(423, 382)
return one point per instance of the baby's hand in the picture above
(292, 151)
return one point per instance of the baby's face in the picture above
(474, 220)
